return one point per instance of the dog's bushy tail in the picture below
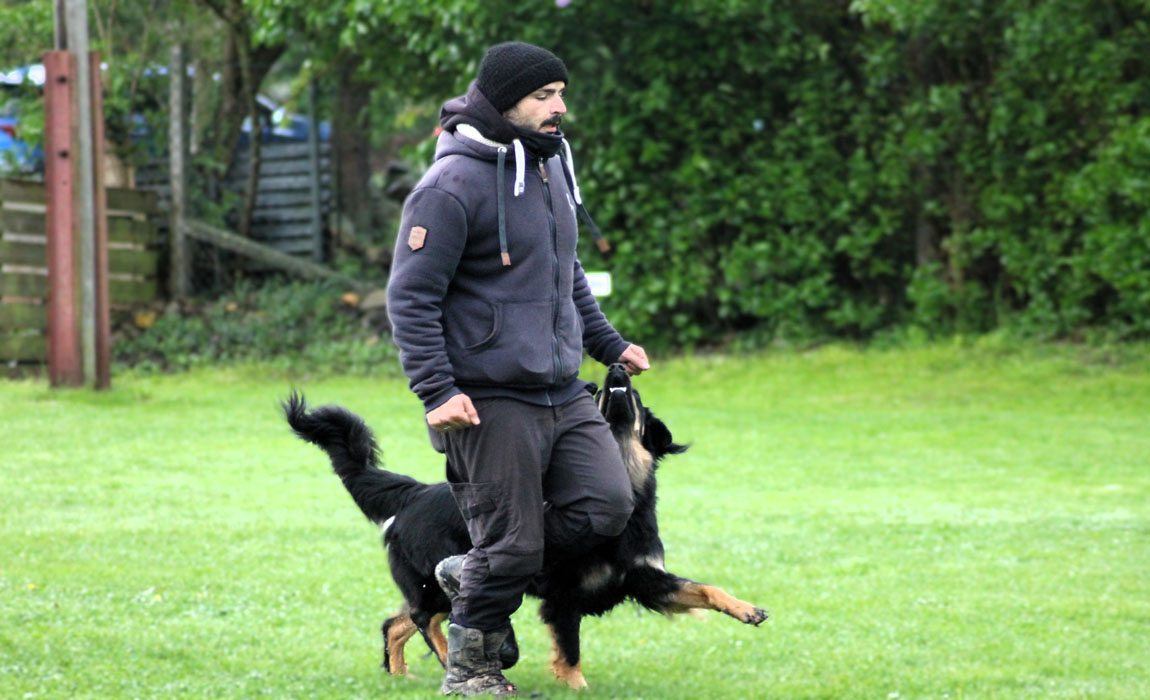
(354, 456)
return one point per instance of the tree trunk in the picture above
(252, 186)
(243, 71)
(351, 141)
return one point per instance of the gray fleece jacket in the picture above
(485, 314)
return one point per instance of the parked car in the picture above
(16, 155)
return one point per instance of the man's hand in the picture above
(636, 360)
(457, 413)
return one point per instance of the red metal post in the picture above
(103, 306)
(64, 358)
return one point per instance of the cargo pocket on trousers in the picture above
(479, 505)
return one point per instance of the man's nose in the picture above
(558, 106)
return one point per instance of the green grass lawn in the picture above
(929, 523)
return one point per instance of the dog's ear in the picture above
(657, 436)
(592, 388)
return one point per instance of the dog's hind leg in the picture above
(396, 631)
(565, 661)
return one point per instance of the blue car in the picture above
(15, 154)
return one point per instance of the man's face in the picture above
(542, 110)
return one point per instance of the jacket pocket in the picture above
(520, 353)
(471, 324)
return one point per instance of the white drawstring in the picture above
(571, 169)
(520, 168)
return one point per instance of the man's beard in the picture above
(554, 120)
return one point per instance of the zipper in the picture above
(555, 268)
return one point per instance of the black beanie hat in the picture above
(509, 72)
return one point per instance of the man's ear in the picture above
(657, 436)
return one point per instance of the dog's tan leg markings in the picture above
(435, 633)
(401, 630)
(571, 675)
(698, 595)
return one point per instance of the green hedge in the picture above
(819, 169)
(825, 167)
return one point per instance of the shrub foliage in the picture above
(819, 168)
(833, 168)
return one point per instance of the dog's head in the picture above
(631, 422)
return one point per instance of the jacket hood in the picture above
(472, 126)
(475, 109)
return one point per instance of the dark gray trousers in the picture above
(525, 477)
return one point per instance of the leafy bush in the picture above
(300, 326)
(838, 168)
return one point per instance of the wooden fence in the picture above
(133, 258)
(283, 215)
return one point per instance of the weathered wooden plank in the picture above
(132, 200)
(31, 192)
(275, 215)
(266, 200)
(29, 348)
(273, 233)
(257, 251)
(121, 230)
(133, 291)
(23, 285)
(291, 182)
(21, 221)
(21, 316)
(289, 151)
(275, 167)
(300, 244)
(133, 262)
(15, 253)
(22, 191)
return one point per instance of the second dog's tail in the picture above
(354, 456)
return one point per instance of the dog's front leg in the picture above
(564, 625)
(692, 595)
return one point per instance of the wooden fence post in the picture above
(65, 367)
(179, 286)
(103, 308)
(84, 181)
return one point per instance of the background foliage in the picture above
(785, 169)
(831, 168)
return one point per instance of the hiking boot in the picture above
(448, 574)
(473, 664)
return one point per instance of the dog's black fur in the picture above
(426, 527)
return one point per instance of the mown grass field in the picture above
(927, 523)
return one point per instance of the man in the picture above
(491, 312)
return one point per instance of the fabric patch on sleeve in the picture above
(416, 238)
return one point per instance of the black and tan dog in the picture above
(422, 526)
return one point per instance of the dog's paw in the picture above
(756, 616)
(571, 676)
(575, 681)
